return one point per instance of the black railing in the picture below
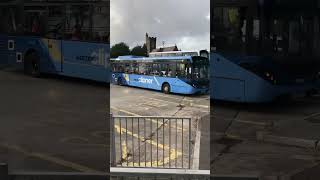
(151, 142)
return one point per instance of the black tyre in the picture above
(32, 64)
(119, 81)
(166, 88)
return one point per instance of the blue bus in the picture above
(54, 38)
(259, 57)
(255, 79)
(169, 74)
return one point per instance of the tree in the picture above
(120, 49)
(139, 50)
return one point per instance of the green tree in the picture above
(120, 49)
(139, 51)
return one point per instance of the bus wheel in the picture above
(32, 64)
(119, 81)
(166, 88)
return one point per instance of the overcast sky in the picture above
(182, 22)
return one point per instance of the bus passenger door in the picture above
(55, 55)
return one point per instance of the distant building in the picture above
(166, 49)
(151, 43)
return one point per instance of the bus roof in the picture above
(173, 52)
(142, 58)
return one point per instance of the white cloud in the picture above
(157, 20)
(181, 22)
(195, 43)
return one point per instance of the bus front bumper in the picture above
(202, 91)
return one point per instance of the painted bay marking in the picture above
(49, 158)
(172, 155)
(190, 104)
(148, 119)
(153, 104)
(252, 122)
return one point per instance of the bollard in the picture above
(4, 171)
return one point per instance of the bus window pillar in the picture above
(249, 31)
(20, 14)
(316, 39)
(91, 9)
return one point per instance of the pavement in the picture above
(130, 101)
(277, 139)
(204, 126)
(53, 123)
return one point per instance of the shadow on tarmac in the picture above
(279, 105)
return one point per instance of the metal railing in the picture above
(151, 142)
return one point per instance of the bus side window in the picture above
(190, 71)
(181, 70)
(149, 69)
(172, 70)
(163, 70)
(127, 68)
(113, 67)
(156, 69)
(142, 69)
(135, 68)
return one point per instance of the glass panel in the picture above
(181, 70)
(172, 70)
(229, 29)
(155, 69)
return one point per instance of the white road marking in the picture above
(252, 122)
(190, 104)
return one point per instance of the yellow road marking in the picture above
(172, 155)
(148, 119)
(51, 159)
(124, 150)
